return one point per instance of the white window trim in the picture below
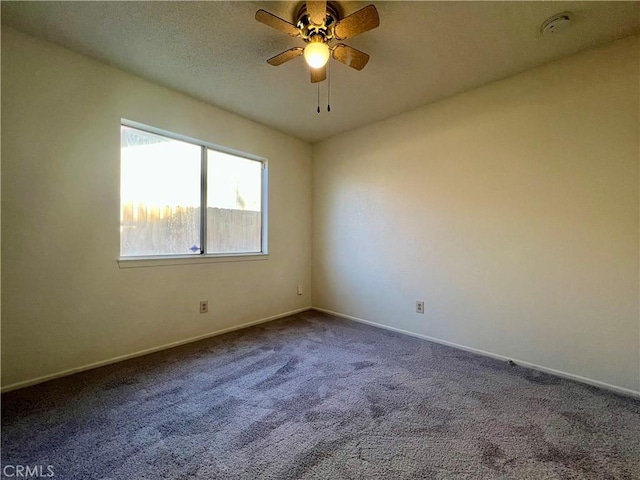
(168, 260)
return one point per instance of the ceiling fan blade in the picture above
(317, 11)
(359, 22)
(350, 56)
(276, 22)
(318, 74)
(285, 56)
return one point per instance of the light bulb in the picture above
(316, 54)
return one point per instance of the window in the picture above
(180, 197)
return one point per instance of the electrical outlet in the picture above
(299, 289)
(204, 306)
(419, 306)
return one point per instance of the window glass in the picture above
(234, 203)
(175, 190)
(159, 195)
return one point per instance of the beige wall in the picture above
(65, 301)
(511, 210)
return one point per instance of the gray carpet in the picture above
(312, 396)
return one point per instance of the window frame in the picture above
(202, 257)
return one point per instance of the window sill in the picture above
(138, 262)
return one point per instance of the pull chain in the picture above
(328, 87)
(318, 97)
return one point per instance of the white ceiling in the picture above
(422, 51)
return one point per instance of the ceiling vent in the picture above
(557, 23)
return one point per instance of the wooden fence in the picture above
(176, 230)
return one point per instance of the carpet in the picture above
(313, 396)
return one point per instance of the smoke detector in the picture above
(556, 23)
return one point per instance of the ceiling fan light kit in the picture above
(316, 53)
(319, 25)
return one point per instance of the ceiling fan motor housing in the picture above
(309, 30)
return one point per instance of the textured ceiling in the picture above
(422, 51)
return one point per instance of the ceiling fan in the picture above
(319, 25)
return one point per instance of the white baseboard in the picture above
(91, 366)
(570, 376)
